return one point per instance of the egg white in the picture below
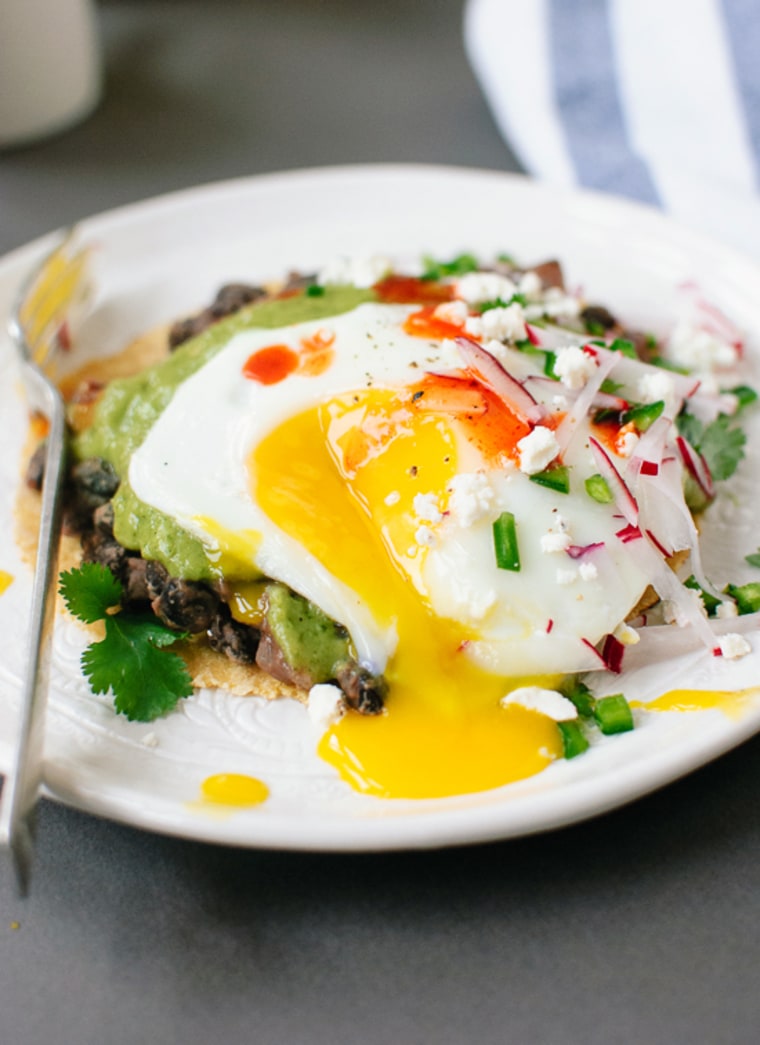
(193, 467)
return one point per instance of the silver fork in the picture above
(38, 328)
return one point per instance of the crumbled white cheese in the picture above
(454, 312)
(470, 497)
(588, 571)
(733, 646)
(326, 705)
(559, 402)
(546, 701)
(355, 272)
(626, 443)
(474, 602)
(477, 287)
(426, 507)
(537, 450)
(392, 498)
(502, 324)
(573, 366)
(556, 303)
(725, 610)
(425, 537)
(565, 577)
(627, 635)
(695, 348)
(555, 542)
(530, 285)
(674, 614)
(658, 385)
(150, 740)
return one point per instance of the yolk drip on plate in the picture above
(234, 789)
(355, 465)
(731, 702)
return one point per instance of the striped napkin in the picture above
(658, 100)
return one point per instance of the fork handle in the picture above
(22, 784)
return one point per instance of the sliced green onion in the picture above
(613, 714)
(747, 596)
(556, 477)
(580, 694)
(574, 740)
(505, 542)
(314, 290)
(644, 415)
(598, 488)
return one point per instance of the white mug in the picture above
(50, 67)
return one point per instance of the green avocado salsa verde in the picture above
(130, 406)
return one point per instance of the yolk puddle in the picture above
(234, 789)
(6, 579)
(731, 703)
(355, 465)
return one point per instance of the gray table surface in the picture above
(640, 926)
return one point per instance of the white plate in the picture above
(159, 259)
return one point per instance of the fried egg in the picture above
(360, 461)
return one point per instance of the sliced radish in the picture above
(696, 466)
(624, 499)
(500, 380)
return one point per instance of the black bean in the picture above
(364, 691)
(97, 547)
(236, 640)
(186, 605)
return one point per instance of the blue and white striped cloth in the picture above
(658, 100)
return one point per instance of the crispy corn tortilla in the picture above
(207, 667)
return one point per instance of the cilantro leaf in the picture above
(130, 662)
(722, 447)
(720, 443)
(145, 680)
(90, 591)
(458, 266)
(753, 559)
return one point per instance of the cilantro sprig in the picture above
(131, 661)
(721, 443)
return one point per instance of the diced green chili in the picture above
(613, 714)
(624, 347)
(598, 488)
(574, 741)
(644, 415)
(505, 542)
(747, 596)
(710, 602)
(577, 691)
(556, 477)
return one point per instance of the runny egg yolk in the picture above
(354, 467)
